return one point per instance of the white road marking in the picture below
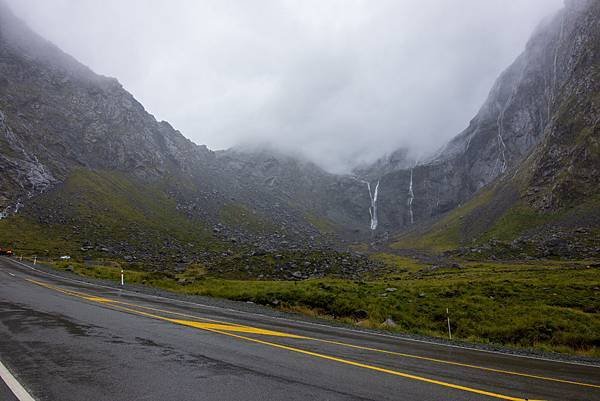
(301, 322)
(11, 274)
(14, 385)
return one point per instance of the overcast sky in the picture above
(341, 81)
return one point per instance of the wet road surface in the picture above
(68, 340)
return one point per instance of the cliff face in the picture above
(565, 168)
(58, 117)
(56, 114)
(522, 109)
(342, 203)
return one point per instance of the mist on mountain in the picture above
(342, 83)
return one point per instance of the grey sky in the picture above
(341, 81)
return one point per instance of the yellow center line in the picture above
(114, 304)
(375, 368)
(388, 352)
(240, 329)
(466, 365)
(215, 329)
(226, 328)
(412, 356)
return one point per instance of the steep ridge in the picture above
(57, 115)
(87, 171)
(516, 117)
(547, 204)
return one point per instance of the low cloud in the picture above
(340, 81)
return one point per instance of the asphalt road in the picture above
(67, 340)
(5, 393)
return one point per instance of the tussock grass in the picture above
(552, 306)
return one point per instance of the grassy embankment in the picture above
(109, 208)
(550, 306)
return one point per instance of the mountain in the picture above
(57, 116)
(538, 135)
(517, 115)
(86, 169)
(332, 203)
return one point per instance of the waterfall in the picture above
(411, 197)
(502, 148)
(373, 198)
(501, 159)
(373, 207)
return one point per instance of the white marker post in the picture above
(448, 317)
(34, 260)
(122, 278)
(21, 259)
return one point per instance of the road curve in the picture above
(68, 340)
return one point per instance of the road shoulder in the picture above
(10, 388)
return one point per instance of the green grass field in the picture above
(550, 306)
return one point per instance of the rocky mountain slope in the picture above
(519, 114)
(85, 169)
(557, 70)
(58, 116)
(82, 160)
(547, 201)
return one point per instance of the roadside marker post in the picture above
(122, 278)
(35, 260)
(448, 317)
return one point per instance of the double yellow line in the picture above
(236, 330)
